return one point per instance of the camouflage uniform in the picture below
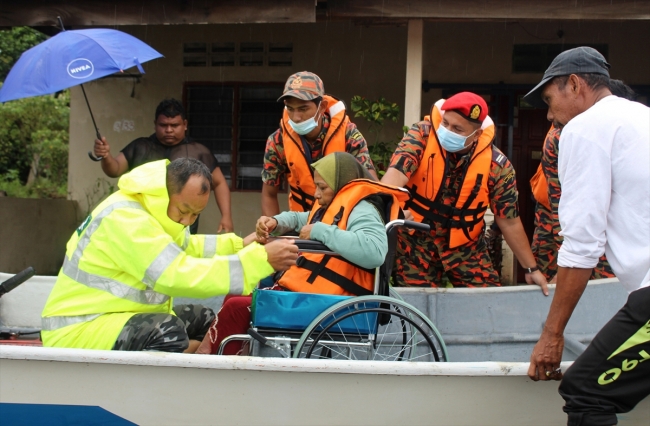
(544, 245)
(546, 238)
(275, 162)
(165, 332)
(424, 259)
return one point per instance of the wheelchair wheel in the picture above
(394, 294)
(373, 328)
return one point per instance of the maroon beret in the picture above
(469, 105)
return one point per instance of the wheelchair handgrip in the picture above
(16, 280)
(417, 225)
(257, 336)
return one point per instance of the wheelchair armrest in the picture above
(309, 246)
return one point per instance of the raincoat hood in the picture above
(148, 184)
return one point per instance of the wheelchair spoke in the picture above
(397, 337)
(372, 328)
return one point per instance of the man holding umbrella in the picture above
(168, 142)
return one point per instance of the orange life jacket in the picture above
(301, 178)
(465, 218)
(327, 274)
(539, 187)
(539, 184)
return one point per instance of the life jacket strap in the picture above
(448, 216)
(305, 200)
(320, 269)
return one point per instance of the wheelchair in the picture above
(377, 327)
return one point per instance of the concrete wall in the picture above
(351, 60)
(34, 233)
(481, 52)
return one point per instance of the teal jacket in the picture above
(364, 243)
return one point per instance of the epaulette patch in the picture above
(498, 157)
(426, 128)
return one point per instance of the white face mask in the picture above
(450, 141)
(306, 126)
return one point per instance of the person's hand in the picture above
(102, 148)
(538, 278)
(305, 232)
(546, 357)
(408, 215)
(264, 226)
(281, 254)
(252, 237)
(225, 226)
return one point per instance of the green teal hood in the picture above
(148, 184)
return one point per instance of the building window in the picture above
(251, 54)
(234, 120)
(535, 58)
(195, 54)
(244, 54)
(223, 55)
(280, 54)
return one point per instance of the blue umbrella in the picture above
(71, 58)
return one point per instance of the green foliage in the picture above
(40, 188)
(33, 131)
(376, 113)
(34, 138)
(13, 42)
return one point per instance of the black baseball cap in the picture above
(580, 60)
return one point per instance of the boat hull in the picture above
(481, 327)
(157, 388)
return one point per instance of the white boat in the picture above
(489, 335)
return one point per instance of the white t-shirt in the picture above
(604, 170)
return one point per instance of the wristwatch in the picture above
(531, 270)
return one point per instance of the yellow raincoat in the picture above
(128, 257)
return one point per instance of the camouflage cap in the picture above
(303, 85)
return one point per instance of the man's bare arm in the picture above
(547, 354)
(515, 236)
(394, 177)
(222, 196)
(112, 166)
(373, 173)
(270, 204)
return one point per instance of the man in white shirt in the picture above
(604, 169)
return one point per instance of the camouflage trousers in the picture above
(165, 332)
(421, 261)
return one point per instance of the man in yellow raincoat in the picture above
(134, 253)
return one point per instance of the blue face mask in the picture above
(450, 141)
(306, 126)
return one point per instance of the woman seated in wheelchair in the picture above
(349, 217)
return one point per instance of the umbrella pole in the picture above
(90, 153)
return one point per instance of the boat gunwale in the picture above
(501, 289)
(161, 359)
